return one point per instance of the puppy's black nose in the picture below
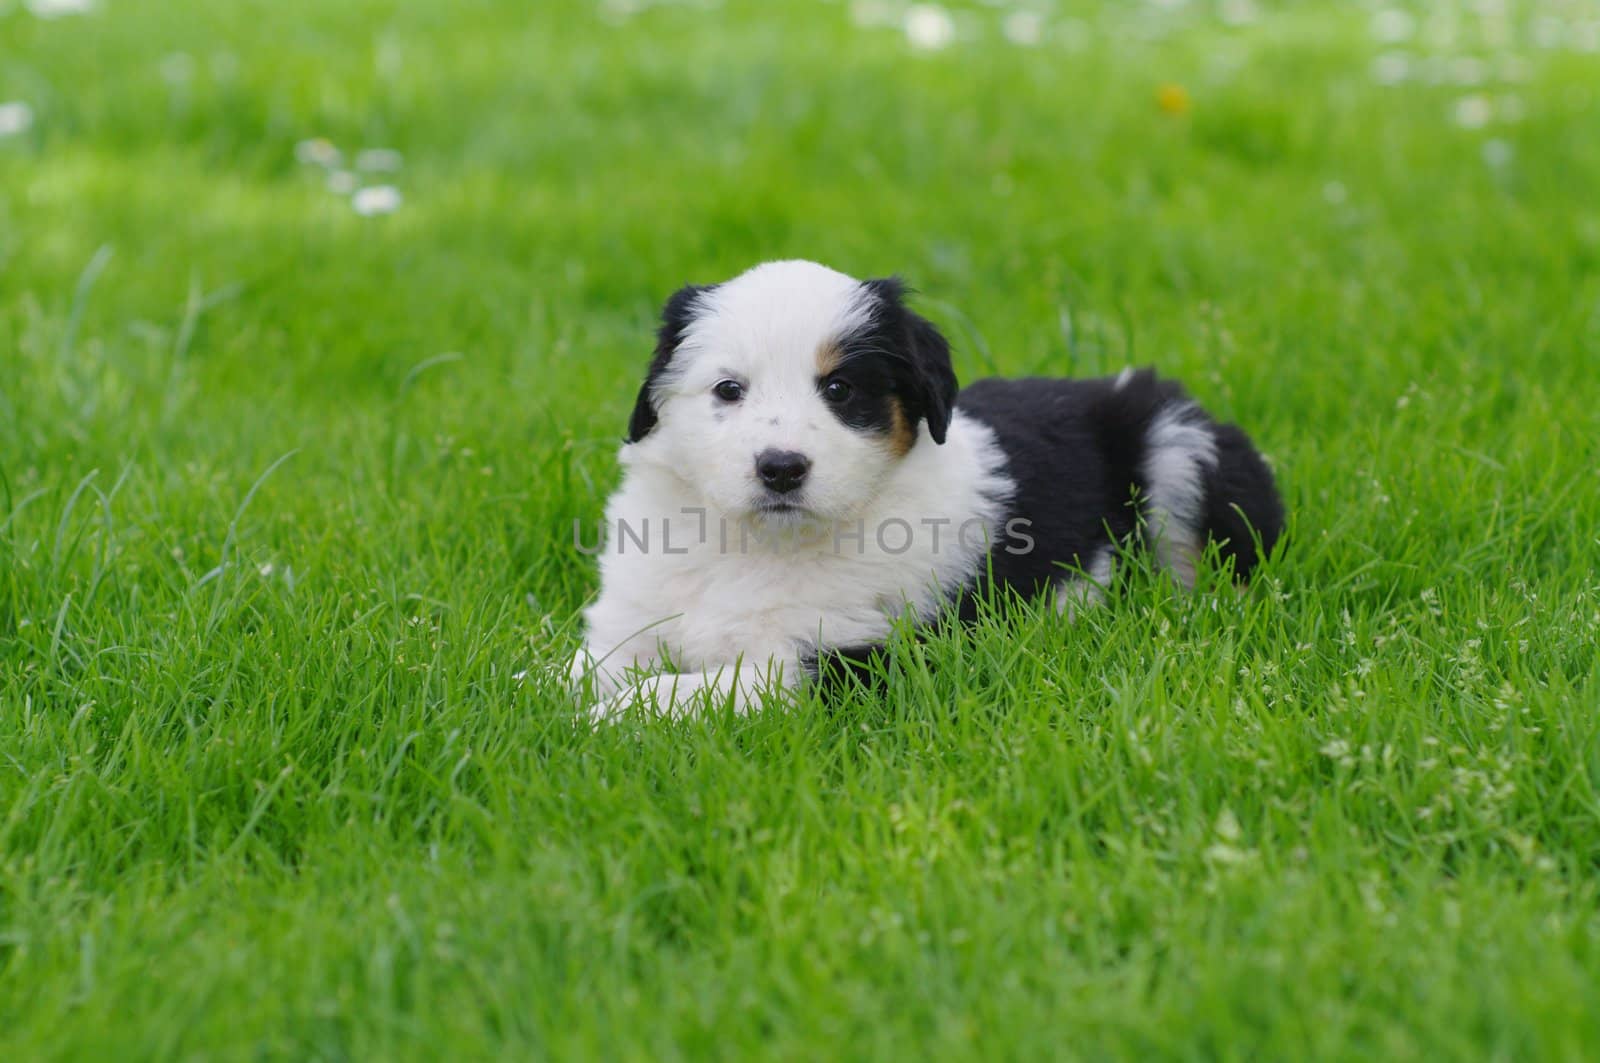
(782, 470)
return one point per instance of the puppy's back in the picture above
(1103, 461)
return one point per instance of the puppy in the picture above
(800, 469)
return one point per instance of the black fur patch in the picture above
(898, 355)
(675, 318)
(874, 384)
(1076, 451)
(1244, 512)
(838, 668)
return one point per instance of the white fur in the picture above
(1181, 451)
(1077, 593)
(708, 607)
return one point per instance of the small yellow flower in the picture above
(1173, 98)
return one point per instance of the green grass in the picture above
(286, 499)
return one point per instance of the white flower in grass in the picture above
(622, 9)
(342, 182)
(379, 199)
(1227, 848)
(1473, 112)
(1023, 27)
(318, 151)
(1335, 193)
(929, 27)
(1392, 25)
(177, 68)
(1497, 153)
(1239, 12)
(873, 13)
(59, 8)
(1391, 68)
(1469, 71)
(1549, 31)
(1227, 825)
(15, 117)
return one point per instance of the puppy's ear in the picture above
(675, 318)
(931, 379)
(936, 377)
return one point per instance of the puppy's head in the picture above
(791, 390)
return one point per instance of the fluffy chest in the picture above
(711, 589)
(735, 592)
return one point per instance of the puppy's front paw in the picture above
(589, 680)
(610, 710)
(664, 695)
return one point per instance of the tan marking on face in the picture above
(828, 358)
(902, 434)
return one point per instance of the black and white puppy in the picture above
(800, 470)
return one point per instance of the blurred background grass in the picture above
(1366, 230)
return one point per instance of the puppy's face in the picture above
(791, 391)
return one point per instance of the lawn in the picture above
(287, 491)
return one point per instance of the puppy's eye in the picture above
(837, 391)
(728, 390)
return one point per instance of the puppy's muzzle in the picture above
(782, 471)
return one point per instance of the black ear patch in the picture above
(675, 318)
(925, 376)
